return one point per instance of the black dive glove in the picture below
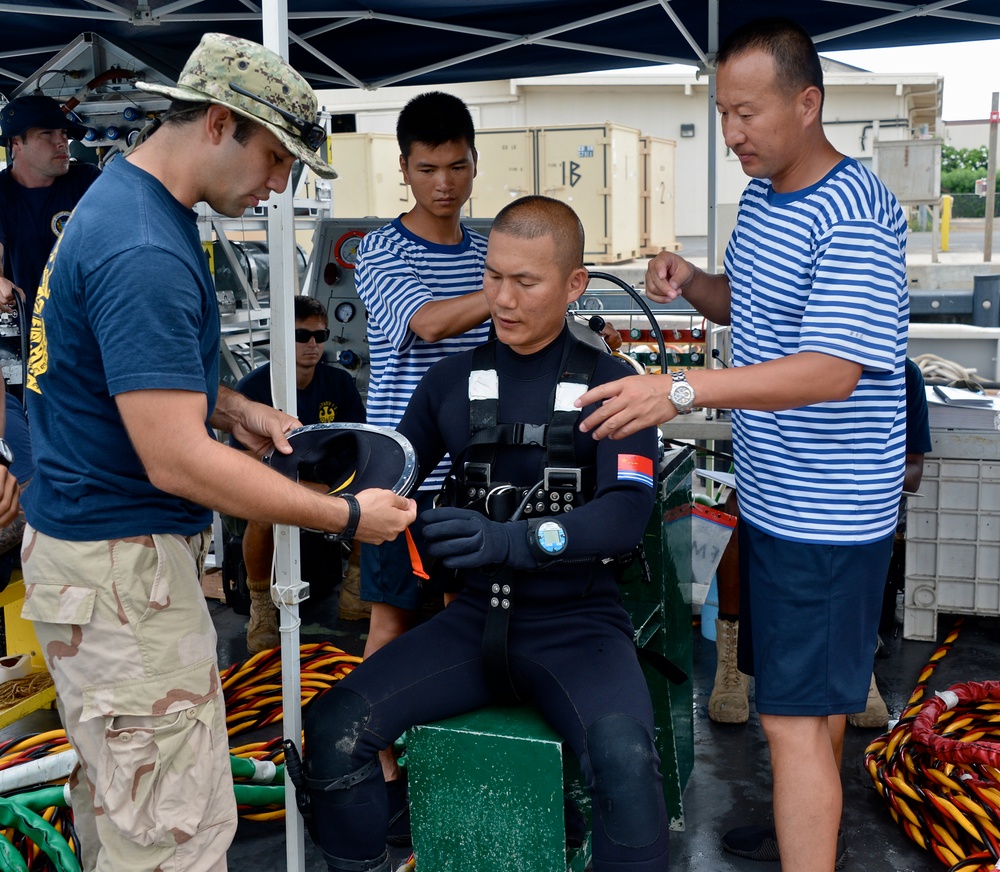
(464, 539)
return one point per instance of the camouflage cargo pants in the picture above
(129, 642)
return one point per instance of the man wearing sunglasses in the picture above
(324, 395)
(123, 392)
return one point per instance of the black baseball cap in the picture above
(35, 110)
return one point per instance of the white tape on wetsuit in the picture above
(567, 393)
(484, 384)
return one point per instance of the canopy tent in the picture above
(373, 43)
(352, 43)
(362, 44)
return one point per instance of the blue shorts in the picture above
(387, 572)
(809, 617)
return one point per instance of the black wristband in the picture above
(353, 517)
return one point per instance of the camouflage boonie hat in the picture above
(231, 71)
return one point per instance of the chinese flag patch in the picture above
(635, 467)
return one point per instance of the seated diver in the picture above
(539, 617)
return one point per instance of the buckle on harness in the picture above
(562, 478)
(477, 474)
(530, 434)
(475, 480)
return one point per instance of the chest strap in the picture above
(576, 370)
(471, 481)
(560, 470)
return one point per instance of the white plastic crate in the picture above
(953, 532)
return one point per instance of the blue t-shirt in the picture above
(331, 397)
(822, 270)
(918, 426)
(17, 437)
(130, 309)
(397, 273)
(31, 220)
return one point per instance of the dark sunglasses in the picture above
(309, 132)
(302, 335)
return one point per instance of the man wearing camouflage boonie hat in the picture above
(245, 77)
(123, 387)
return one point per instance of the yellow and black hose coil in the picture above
(938, 770)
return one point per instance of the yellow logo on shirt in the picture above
(327, 412)
(38, 352)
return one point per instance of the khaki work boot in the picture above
(262, 631)
(729, 702)
(352, 607)
(875, 715)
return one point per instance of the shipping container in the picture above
(369, 180)
(506, 170)
(595, 169)
(657, 222)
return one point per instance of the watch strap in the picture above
(680, 384)
(353, 517)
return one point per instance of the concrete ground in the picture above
(730, 784)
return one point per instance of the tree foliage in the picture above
(960, 167)
(962, 181)
(964, 159)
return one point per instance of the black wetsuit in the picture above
(570, 645)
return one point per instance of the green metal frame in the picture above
(486, 792)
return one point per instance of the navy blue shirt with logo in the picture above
(331, 396)
(32, 219)
(129, 305)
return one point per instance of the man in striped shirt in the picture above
(815, 290)
(420, 278)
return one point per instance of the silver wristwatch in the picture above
(681, 393)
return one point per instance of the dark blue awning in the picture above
(358, 43)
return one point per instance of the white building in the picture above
(673, 105)
(973, 133)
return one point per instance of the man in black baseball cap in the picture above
(36, 110)
(38, 190)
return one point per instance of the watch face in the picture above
(6, 455)
(682, 394)
(551, 537)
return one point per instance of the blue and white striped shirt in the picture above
(397, 273)
(824, 270)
